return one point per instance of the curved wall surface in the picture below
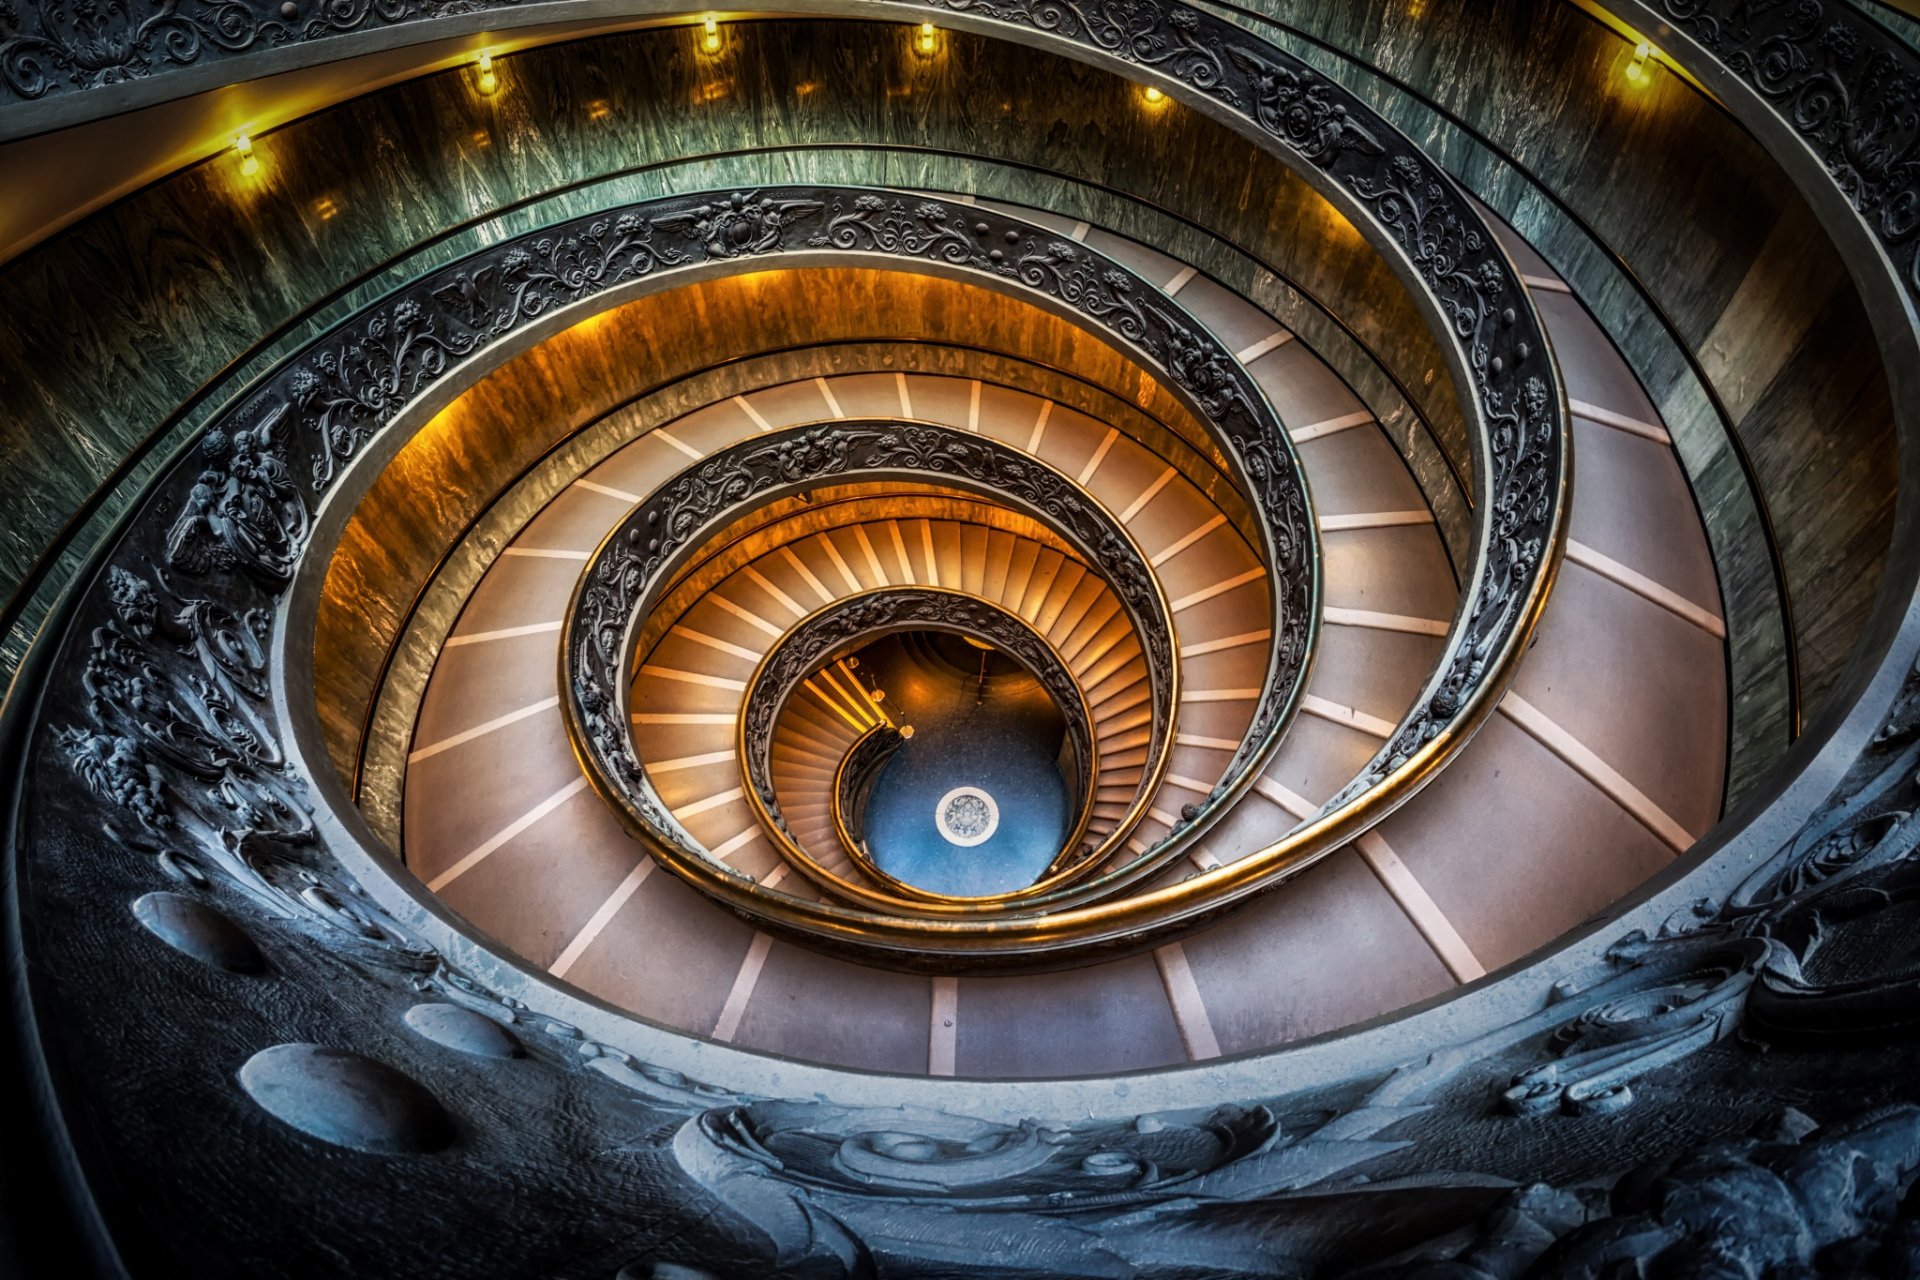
(1453, 454)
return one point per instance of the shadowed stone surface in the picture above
(463, 1030)
(195, 929)
(340, 1097)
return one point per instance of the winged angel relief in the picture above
(745, 222)
(243, 511)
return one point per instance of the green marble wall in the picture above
(141, 306)
(1680, 205)
(1903, 25)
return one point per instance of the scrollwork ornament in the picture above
(922, 228)
(179, 739)
(243, 511)
(66, 46)
(1842, 84)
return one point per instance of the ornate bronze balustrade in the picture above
(245, 510)
(1355, 156)
(634, 564)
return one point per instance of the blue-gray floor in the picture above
(1005, 744)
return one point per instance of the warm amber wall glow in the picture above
(458, 462)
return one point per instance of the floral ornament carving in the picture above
(1848, 88)
(75, 44)
(180, 741)
(1302, 107)
(1174, 39)
(354, 384)
(63, 46)
(352, 389)
(1104, 292)
(925, 230)
(1675, 996)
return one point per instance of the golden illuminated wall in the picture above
(446, 476)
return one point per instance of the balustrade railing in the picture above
(320, 415)
(637, 561)
(853, 781)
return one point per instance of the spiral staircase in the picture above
(874, 640)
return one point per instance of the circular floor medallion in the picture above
(966, 816)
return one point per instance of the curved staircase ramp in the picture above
(1390, 592)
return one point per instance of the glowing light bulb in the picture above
(1637, 69)
(489, 82)
(926, 41)
(710, 34)
(249, 162)
(1154, 98)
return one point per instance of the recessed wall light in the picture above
(1640, 70)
